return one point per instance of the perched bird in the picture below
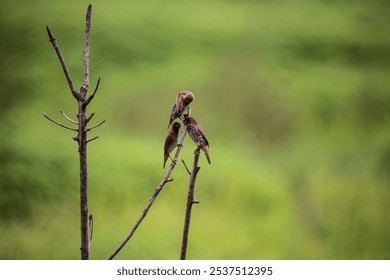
(183, 99)
(171, 140)
(197, 135)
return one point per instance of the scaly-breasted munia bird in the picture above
(197, 135)
(171, 140)
(183, 99)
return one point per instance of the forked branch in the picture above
(165, 180)
(81, 138)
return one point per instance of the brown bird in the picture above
(197, 135)
(183, 99)
(171, 140)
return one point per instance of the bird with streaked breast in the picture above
(197, 135)
(171, 140)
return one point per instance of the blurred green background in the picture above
(293, 95)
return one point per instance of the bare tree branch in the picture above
(185, 165)
(84, 88)
(165, 180)
(96, 125)
(62, 61)
(90, 117)
(94, 138)
(82, 130)
(66, 117)
(93, 93)
(82, 140)
(190, 202)
(59, 124)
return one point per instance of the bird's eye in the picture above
(187, 101)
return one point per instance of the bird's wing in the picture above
(173, 116)
(203, 135)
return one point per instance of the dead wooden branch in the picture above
(93, 93)
(62, 61)
(81, 138)
(90, 117)
(66, 117)
(190, 202)
(165, 180)
(59, 124)
(94, 138)
(185, 165)
(95, 126)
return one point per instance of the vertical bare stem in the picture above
(82, 129)
(86, 49)
(82, 139)
(190, 202)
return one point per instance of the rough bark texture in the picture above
(190, 202)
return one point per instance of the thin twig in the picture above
(185, 165)
(94, 138)
(84, 89)
(66, 117)
(59, 124)
(62, 61)
(93, 93)
(190, 202)
(165, 180)
(96, 125)
(90, 117)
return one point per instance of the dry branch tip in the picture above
(96, 125)
(59, 124)
(94, 138)
(62, 61)
(90, 117)
(66, 117)
(93, 93)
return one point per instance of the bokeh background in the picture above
(293, 95)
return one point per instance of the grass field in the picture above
(294, 97)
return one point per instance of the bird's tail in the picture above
(206, 152)
(165, 161)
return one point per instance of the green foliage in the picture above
(293, 95)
